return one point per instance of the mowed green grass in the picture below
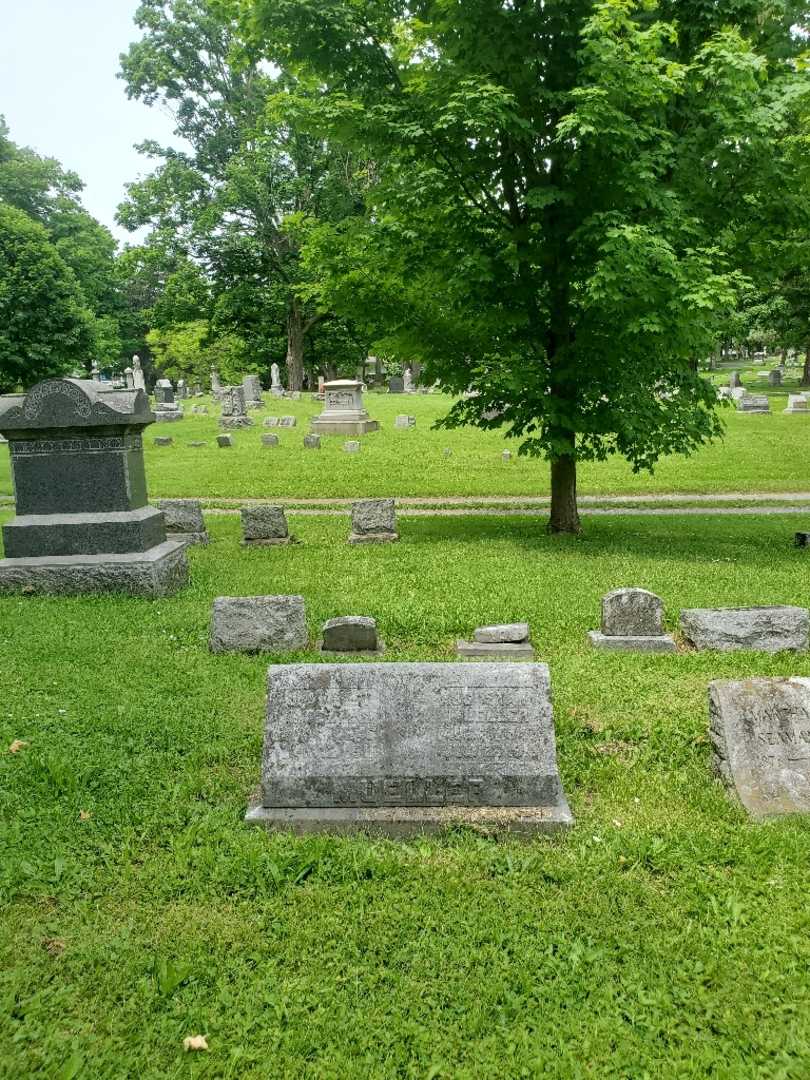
(758, 453)
(665, 936)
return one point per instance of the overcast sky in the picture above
(60, 95)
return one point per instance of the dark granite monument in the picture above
(404, 748)
(83, 522)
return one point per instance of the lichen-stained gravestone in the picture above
(83, 522)
(760, 731)
(404, 748)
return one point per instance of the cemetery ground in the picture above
(666, 935)
(760, 453)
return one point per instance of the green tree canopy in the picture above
(45, 328)
(565, 198)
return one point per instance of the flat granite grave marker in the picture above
(765, 629)
(760, 732)
(408, 748)
(754, 403)
(632, 621)
(83, 521)
(253, 624)
(797, 403)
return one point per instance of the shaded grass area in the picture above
(758, 453)
(664, 936)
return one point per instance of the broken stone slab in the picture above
(494, 650)
(513, 633)
(254, 624)
(765, 629)
(265, 526)
(184, 520)
(351, 634)
(374, 521)
(408, 748)
(760, 732)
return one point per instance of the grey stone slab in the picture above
(632, 613)
(754, 403)
(374, 517)
(797, 403)
(661, 643)
(184, 520)
(352, 447)
(197, 444)
(760, 732)
(493, 650)
(312, 442)
(270, 440)
(258, 624)
(765, 629)
(167, 414)
(270, 421)
(160, 571)
(462, 739)
(164, 440)
(405, 422)
(288, 421)
(802, 539)
(514, 633)
(350, 634)
(34, 535)
(262, 523)
(224, 440)
(236, 421)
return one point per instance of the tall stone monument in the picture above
(343, 412)
(276, 389)
(138, 380)
(234, 411)
(406, 748)
(83, 522)
(253, 392)
(216, 384)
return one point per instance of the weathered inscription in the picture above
(107, 444)
(761, 734)
(419, 735)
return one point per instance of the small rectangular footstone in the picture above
(765, 629)
(184, 520)
(264, 525)
(373, 521)
(408, 748)
(351, 634)
(258, 624)
(760, 732)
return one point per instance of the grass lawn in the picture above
(758, 453)
(664, 936)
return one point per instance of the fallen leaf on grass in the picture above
(17, 746)
(195, 1042)
(53, 946)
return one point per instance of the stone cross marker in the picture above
(760, 731)
(405, 748)
(83, 522)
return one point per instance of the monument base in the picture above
(158, 572)
(343, 427)
(273, 541)
(235, 421)
(502, 650)
(661, 643)
(373, 538)
(405, 821)
(338, 654)
(189, 538)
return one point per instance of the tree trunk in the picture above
(806, 373)
(564, 513)
(295, 348)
